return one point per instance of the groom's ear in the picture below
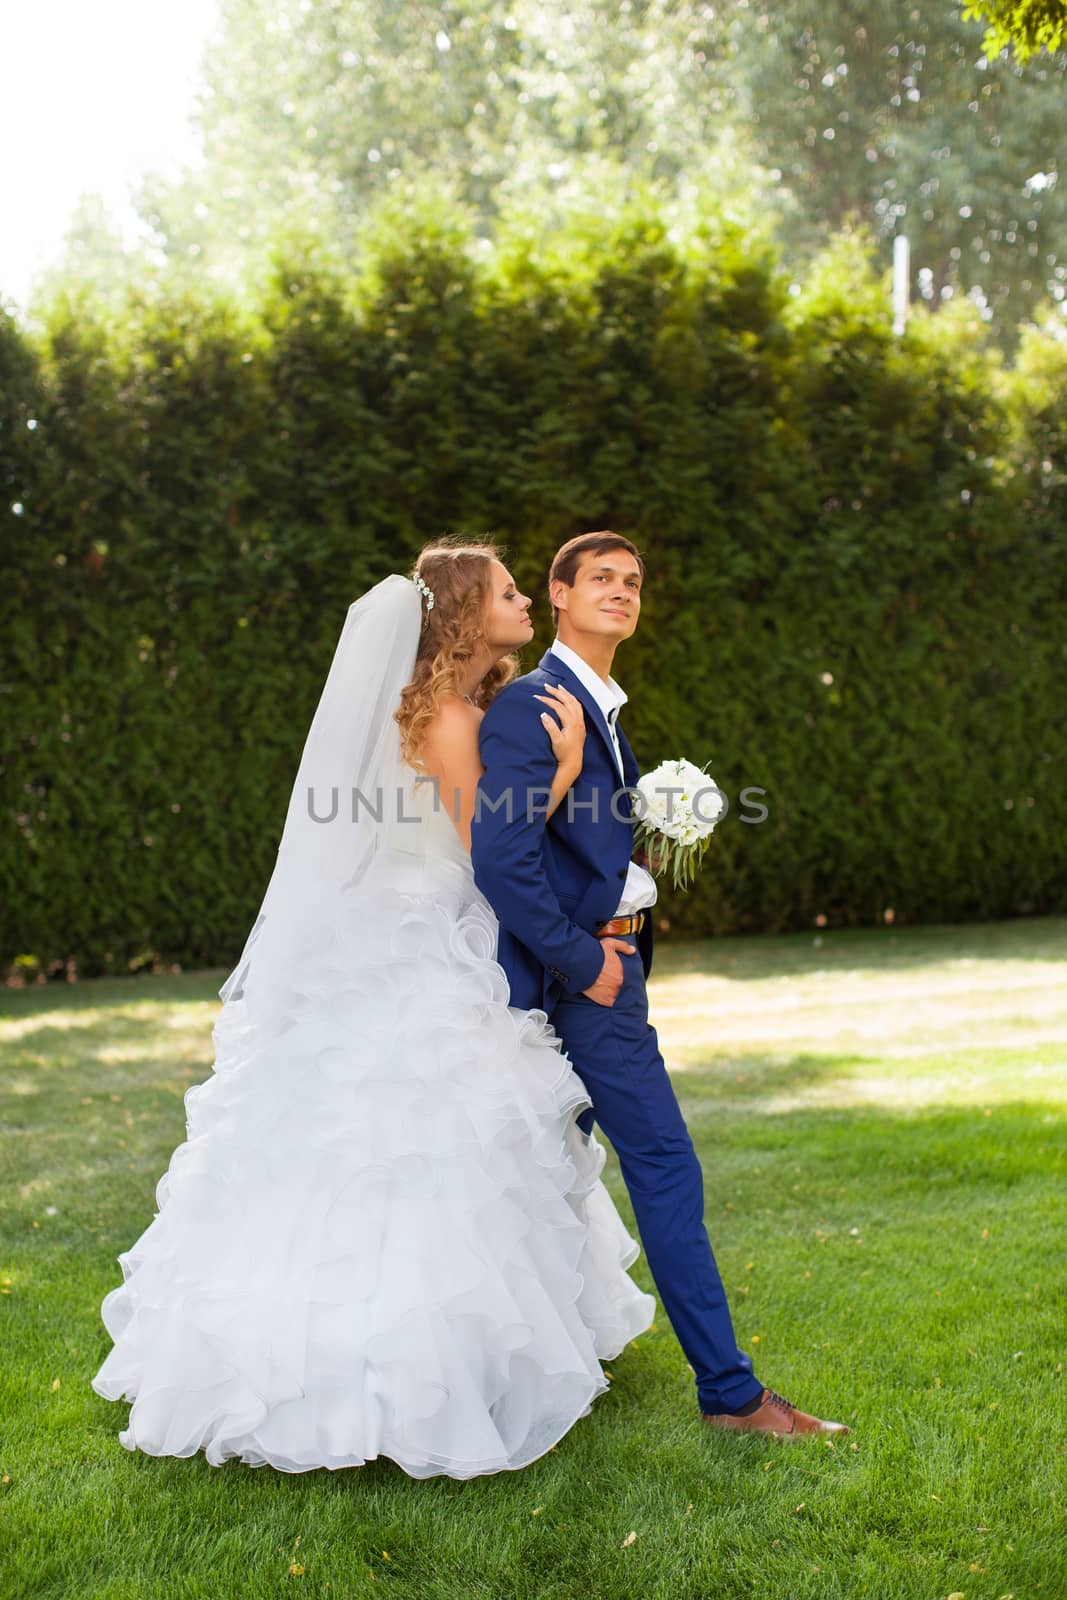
(556, 589)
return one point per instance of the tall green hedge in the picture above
(856, 554)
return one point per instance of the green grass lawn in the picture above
(881, 1118)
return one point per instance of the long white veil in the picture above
(345, 791)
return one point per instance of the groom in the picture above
(576, 940)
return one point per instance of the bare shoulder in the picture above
(454, 725)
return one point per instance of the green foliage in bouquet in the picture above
(676, 818)
(671, 856)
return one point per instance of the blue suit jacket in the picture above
(551, 884)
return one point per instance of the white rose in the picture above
(681, 801)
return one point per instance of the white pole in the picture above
(900, 282)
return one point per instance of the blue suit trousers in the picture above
(615, 1052)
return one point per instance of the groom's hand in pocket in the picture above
(605, 990)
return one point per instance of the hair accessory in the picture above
(420, 583)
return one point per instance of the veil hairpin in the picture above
(421, 584)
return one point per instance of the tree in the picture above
(316, 113)
(312, 113)
(899, 120)
(1026, 26)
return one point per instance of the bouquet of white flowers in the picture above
(677, 806)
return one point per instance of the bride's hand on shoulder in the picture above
(568, 732)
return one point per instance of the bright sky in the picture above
(92, 94)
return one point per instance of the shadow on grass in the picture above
(761, 956)
(737, 957)
(783, 1166)
(177, 988)
(931, 1149)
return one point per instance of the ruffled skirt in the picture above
(385, 1234)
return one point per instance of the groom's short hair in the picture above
(567, 559)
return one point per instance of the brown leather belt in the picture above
(622, 925)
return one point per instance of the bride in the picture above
(385, 1233)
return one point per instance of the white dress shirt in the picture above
(639, 891)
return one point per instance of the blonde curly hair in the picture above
(453, 632)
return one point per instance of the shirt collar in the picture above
(608, 696)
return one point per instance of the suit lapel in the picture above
(630, 768)
(594, 715)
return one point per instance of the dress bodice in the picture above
(421, 838)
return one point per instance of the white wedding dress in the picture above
(385, 1234)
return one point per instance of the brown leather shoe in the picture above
(774, 1415)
